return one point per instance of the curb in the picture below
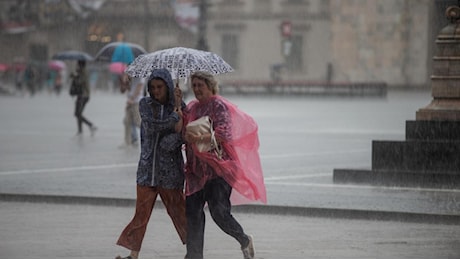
(252, 209)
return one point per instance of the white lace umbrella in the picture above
(181, 63)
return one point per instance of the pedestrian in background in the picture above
(30, 78)
(19, 79)
(58, 83)
(80, 78)
(161, 167)
(132, 119)
(211, 177)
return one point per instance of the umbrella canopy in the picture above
(117, 67)
(19, 66)
(181, 63)
(56, 65)
(119, 52)
(72, 55)
(3, 67)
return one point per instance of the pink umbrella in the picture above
(56, 65)
(117, 67)
(3, 67)
(19, 66)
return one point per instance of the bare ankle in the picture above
(134, 254)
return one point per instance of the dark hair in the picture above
(158, 78)
(81, 63)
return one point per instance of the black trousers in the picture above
(80, 104)
(216, 193)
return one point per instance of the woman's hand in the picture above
(180, 123)
(178, 107)
(178, 96)
(178, 110)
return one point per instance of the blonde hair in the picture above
(208, 78)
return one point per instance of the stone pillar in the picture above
(202, 26)
(430, 155)
(445, 81)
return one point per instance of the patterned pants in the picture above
(174, 201)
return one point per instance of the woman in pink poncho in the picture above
(212, 179)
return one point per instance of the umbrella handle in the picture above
(178, 99)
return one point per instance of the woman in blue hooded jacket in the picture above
(161, 166)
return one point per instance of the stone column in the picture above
(445, 81)
(430, 155)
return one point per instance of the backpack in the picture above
(75, 88)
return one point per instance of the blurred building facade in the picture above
(309, 40)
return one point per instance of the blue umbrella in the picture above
(123, 53)
(119, 52)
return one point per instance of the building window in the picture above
(262, 6)
(296, 2)
(230, 48)
(294, 61)
(38, 52)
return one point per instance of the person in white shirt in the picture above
(132, 120)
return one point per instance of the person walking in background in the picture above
(80, 79)
(19, 79)
(132, 119)
(50, 77)
(161, 166)
(58, 83)
(211, 177)
(30, 78)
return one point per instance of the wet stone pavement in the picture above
(83, 190)
(47, 230)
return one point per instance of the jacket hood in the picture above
(166, 76)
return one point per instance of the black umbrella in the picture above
(72, 55)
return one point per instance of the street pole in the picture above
(202, 42)
(146, 25)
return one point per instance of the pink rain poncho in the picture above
(240, 165)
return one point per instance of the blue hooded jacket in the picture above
(161, 163)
